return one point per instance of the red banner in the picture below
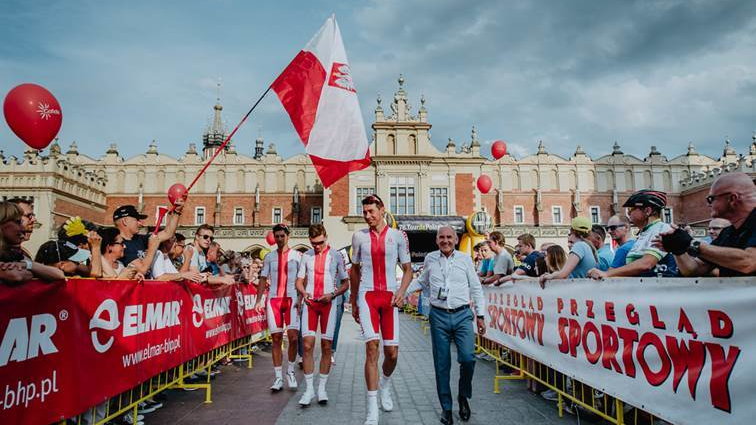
(67, 346)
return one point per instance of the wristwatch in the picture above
(694, 250)
(29, 264)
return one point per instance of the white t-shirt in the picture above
(272, 270)
(377, 256)
(161, 265)
(199, 261)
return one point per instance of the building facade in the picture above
(423, 187)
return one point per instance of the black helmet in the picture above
(647, 198)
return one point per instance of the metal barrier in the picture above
(571, 394)
(173, 378)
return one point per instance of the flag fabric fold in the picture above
(317, 91)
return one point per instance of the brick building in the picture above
(243, 195)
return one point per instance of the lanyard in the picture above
(447, 268)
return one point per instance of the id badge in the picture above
(443, 293)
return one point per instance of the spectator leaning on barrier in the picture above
(177, 253)
(213, 257)
(163, 268)
(618, 227)
(582, 257)
(644, 259)
(503, 264)
(203, 237)
(526, 246)
(83, 234)
(28, 218)
(111, 249)
(733, 197)
(555, 258)
(604, 252)
(15, 265)
(487, 262)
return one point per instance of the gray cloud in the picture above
(577, 72)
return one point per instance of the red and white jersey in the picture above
(322, 272)
(276, 274)
(377, 255)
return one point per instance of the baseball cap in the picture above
(52, 252)
(581, 224)
(127, 211)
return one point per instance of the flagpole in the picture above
(228, 138)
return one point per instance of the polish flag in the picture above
(318, 93)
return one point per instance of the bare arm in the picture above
(262, 285)
(742, 260)
(690, 266)
(635, 268)
(44, 272)
(406, 279)
(172, 221)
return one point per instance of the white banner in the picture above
(682, 349)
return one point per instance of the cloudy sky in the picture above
(568, 72)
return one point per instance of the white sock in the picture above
(384, 382)
(277, 370)
(372, 401)
(308, 380)
(290, 367)
(323, 380)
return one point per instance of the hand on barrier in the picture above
(596, 274)
(14, 272)
(195, 277)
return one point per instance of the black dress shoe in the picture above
(464, 408)
(446, 417)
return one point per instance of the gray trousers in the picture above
(447, 328)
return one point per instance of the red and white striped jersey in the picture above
(377, 255)
(275, 273)
(322, 272)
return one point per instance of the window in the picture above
(277, 215)
(556, 215)
(519, 214)
(199, 215)
(667, 215)
(595, 215)
(402, 195)
(439, 201)
(362, 193)
(238, 215)
(316, 215)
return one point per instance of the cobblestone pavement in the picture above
(241, 396)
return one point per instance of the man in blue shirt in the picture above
(604, 251)
(618, 227)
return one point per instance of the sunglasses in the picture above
(710, 199)
(613, 227)
(317, 243)
(206, 237)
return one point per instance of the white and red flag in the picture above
(318, 93)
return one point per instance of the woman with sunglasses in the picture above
(112, 248)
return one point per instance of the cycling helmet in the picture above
(647, 198)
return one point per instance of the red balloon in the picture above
(270, 238)
(498, 149)
(484, 183)
(33, 113)
(177, 191)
